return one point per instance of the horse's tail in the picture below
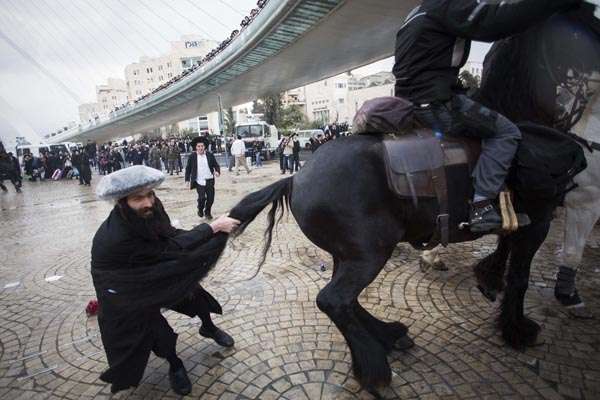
(279, 194)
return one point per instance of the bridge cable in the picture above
(161, 18)
(189, 20)
(83, 38)
(92, 21)
(209, 15)
(125, 35)
(139, 18)
(232, 8)
(67, 65)
(87, 71)
(43, 69)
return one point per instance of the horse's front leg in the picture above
(518, 330)
(489, 272)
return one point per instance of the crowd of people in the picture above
(52, 165)
(163, 155)
(160, 154)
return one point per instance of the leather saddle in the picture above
(417, 166)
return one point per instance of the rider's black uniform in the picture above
(431, 47)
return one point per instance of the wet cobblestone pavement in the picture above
(285, 347)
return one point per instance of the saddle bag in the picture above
(545, 164)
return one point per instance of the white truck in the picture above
(258, 131)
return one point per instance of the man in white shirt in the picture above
(200, 171)
(238, 151)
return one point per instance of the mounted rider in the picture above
(431, 47)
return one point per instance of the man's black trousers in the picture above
(206, 196)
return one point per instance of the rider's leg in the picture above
(499, 142)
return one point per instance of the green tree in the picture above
(272, 109)
(186, 132)
(316, 124)
(292, 117)
(228, 122)
(469, 81)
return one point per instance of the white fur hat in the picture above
(129, 180)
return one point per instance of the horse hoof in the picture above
(404, 343)
(424, 265)
(440, 266)
(522, 334)
(489, 294)
(373, 392)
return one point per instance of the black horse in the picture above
(342, 203)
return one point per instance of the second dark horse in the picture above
(342, 203)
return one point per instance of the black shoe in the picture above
(569, 300)
(200, 214)
(209, 215)
(180, 383)
(483, 217)
(218, 335)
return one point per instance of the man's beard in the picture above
(147, 212)
(152, 223)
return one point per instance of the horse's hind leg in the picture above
(338, 299)
(518, 330)
(489, 272)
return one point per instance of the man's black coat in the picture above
(191, 169)
(135, 275)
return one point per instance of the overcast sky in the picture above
(81, 43)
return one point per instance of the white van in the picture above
(305, 135)
(37, 149)
(258, 131)
(33, 149)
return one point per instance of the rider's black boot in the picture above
(484, 217)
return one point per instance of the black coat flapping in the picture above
(135, 276)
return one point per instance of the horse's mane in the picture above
(520, 74)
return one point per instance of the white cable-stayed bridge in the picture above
(290, 43)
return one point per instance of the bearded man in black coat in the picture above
(140, 264)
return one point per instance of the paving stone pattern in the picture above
(285, 347)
